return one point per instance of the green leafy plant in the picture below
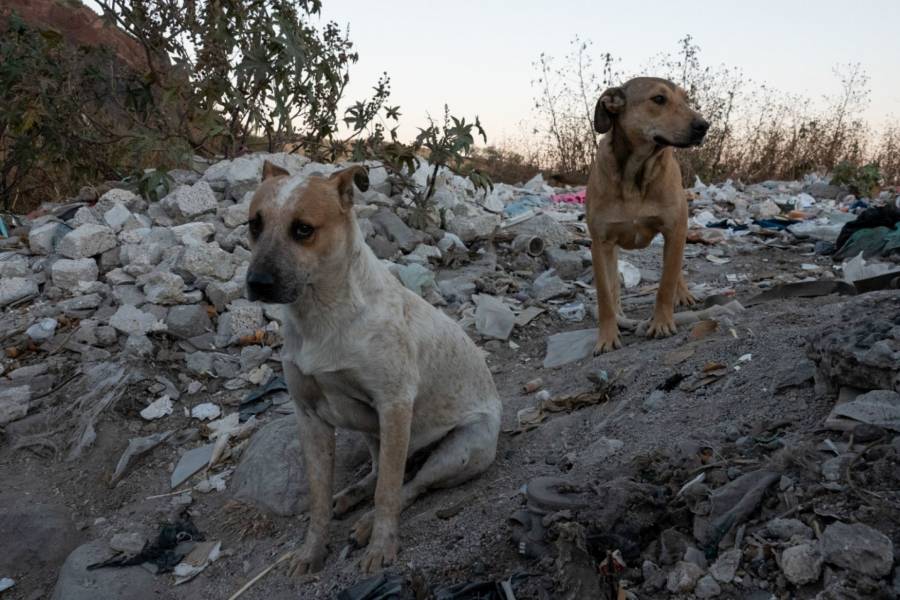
(862, 180)
(154, 184)
(69, 117)
(447, 144)
(225, 72)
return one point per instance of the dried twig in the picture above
(259, 576)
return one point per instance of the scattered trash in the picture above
(5, 582)
(530, 244)
(858, 268)
(476, 591)
(172, 544)
(158, 409)
(570, 346)
(137, 447)
(191, 462)
(875, 231)
(493, 317)
(206, 411)
(533, 386)
(257, 401)
(574, 312)
(718, 260)
(530, 417)
(383, 586)
(631, 275)
(196, 561)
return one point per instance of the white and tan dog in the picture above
(362, 352)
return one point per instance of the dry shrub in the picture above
(756, 132)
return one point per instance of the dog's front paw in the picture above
(607, 341)
(661, 326)
(362, 530)
(308, 559)
(380, 553)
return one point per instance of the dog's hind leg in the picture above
(364, 489)
(464, 453)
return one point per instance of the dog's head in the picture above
(650, 110)
(301, 232)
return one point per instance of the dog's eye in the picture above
(660, 99)
(256, 225)
(301, 231)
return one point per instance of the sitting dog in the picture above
(634, 192)
(362, 352)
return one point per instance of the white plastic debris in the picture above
(158, 409)
(206, 411)
(803, 201)
(213, 483)
(717, 260)
(194, 563)
(493, 317)
(703, 218)
(858, 268)
(6, 583)
(630, 274)
(574, 311)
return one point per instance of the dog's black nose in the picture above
(260, 285)
(699, 127)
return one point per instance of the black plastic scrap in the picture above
(393, 587)
(257, 402)
(380, 587)
(488, 590)
(164, 553)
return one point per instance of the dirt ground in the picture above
(474, 543)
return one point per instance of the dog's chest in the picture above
(625, 230)
(345, 403)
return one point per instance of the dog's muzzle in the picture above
(699, 127)
(261, 286)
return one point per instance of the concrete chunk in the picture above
(86, 241)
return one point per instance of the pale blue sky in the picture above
(477, 56)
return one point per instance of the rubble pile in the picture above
(114, 307)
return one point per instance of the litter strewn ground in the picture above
(754, 454)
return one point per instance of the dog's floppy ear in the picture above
(270, 170)
(611, 102)
(345, 179)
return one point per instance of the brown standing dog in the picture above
(634, 192)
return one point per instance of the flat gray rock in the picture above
(75, 582)
(33, 534)
(271, 474)
(859, 548)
